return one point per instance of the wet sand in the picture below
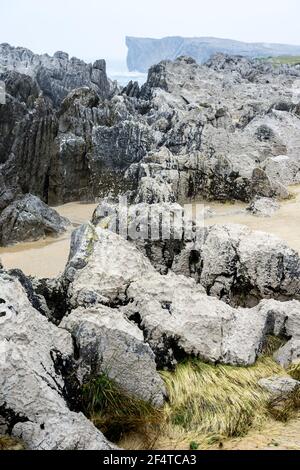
(285, 223)
(48, 257)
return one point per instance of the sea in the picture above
(117, 70)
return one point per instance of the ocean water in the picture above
(124, 77)
(117, 70)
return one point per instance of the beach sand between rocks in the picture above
(48, 257)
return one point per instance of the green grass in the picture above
(281, 60)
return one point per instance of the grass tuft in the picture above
(10, 443)
(210, 404)
(294, 371)
(115, 412)
(272, 344)
(207, 405)
(282, 408)
(217, 401)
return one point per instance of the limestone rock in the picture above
(29, 218)
(278, 386)
(241, 266)
(112, 260)
(263, 207)
(289, 354)
(33, 395)
(56, 75)
(179, 320)
(108, 343)
(177, 317)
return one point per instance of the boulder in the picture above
(35, 357)
(109, 344)
(241, 266)
(289, 354)
(179, 320)
(177, 317)
(101, 266)
(263, 207)
(28, 218)
(231, 262)
(277, 386)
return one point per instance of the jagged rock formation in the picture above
(35, 355)
(129, 305)
(176, 315)
(119, 316)
(28, 218)
(225, 130)
(231, 262)
(56, 76)
(145, 52)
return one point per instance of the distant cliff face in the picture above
(145, 52)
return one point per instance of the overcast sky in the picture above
(92, 29)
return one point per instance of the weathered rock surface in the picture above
(108, 343)
(177, 317)
(222, 131)
(33, 393)
(28, 218)
(241, 266)
(179, 320)
(231, 262)
(278, 386)
(263, 207)
(112, 260)
(56, 75)
(289, 354)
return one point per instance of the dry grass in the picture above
(294, 371)
(210, 404)
(116, 413)
(9, 443)
(282, 408)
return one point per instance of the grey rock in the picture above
(33, 395)
(278, 386)
(177, 317)
(108, 343)
(29, 218)
(241, 266)
(112, 260)
(214, 131)
(289, 354)
(57, 75)
(231, 262)
(263, 207)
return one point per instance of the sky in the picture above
(93, 29)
